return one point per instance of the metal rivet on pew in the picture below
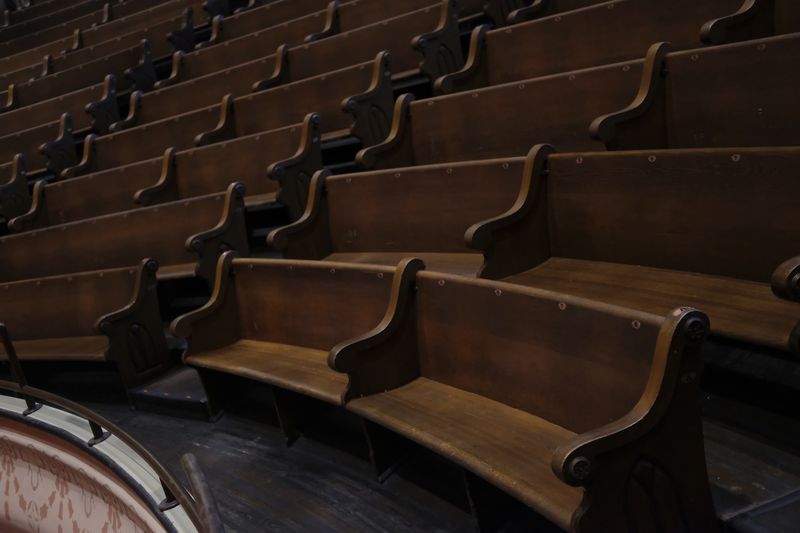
(505, 166)
(761, 47)
(380, 275)
(580, 468)
(396, 174)
(736, 158)
(521, 86)
(626, 68)
(579, 160)
(449, 170)
(333, 271)
(695, 57)
(430, 103)
(572, 77)
(562, 306)
(441, 283)
(651, 158)
(636, 324)
(474, 95)
(348, 180)
(498, 292)
(558, 19)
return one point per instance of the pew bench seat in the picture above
(258, 200)
(179, 271)
(508, 447)
(741, 309)
(464, 264)
(87, 348)
(296, 368)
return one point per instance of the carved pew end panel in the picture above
(294, 174)
(372, 109)
(61, 152)
(15, 198)
(143, 75)
(137, 343)
(105, 111)
(441, 48)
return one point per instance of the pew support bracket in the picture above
(87, 162)
(386, 357)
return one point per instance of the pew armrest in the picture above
(372, 109)
(785, 280)
(202, 329)
(230, 233)
(397, 149)
(755, 18)
(11, 99)
(670, 393)
(294, 174)
(386, 357)
(136, 337)
(36, 216)
(226, 126)
(280, 74)
(176, 73)
(522, 14)
(15, 198)
(134, 111)
(517, 239)
(309, 236)
(332, 24)
(166, 188)
(474, 73)
(217, 33)
(87, 160)
(613, 129)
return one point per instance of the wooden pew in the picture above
(365, 90)
(185, 237)
(260, 17)
(338, 18)
(68, 13)
(650, 229)
(117, 320)
(33, 11)
(97, 33)
(383, 216)
(100, 17)
(135, 63)
(366, 116)
(274, 321)
(741, 94)
(571, 406)
(184, 174)
(507, 12)
(558, 108)
(604, 33)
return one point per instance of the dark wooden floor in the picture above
(261, 485)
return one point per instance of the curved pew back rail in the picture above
(185, 237)
(275, 320)
(741, 94)
(580, 225)
(489, 393)
(107, 315)
(605, 33)
(185, 174)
